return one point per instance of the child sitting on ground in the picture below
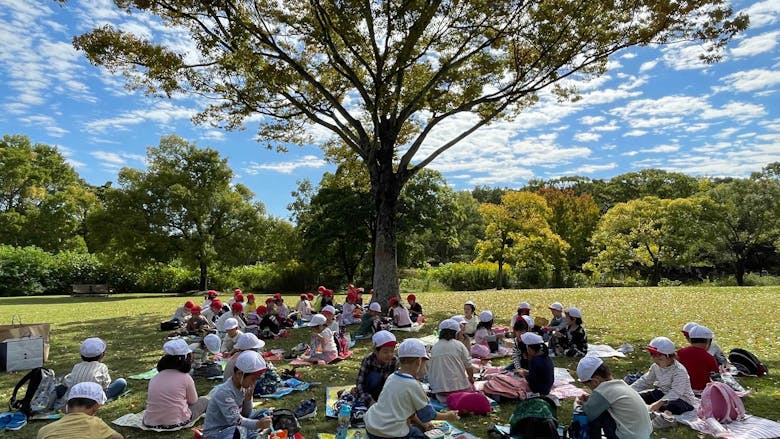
(246, 342)
(485, 335)
(251, 305)
(696, 360)
(520, 352)
(666, 385)
(208, 298)
(557, 322)
(230, 406)
(450, 367)
(613, 407)
(270, 306)
(375, 368)
(183, 312)
(572, 341)
(348, 309)
(523, 309)
(197, 324)
(84, 401)
(231, 336)
(371, 321)
(212, 312)
(282, 312)
(415, 309)
(329, 312)
(172, 400)
(90, 369)
(204, 350)
(401, 317)
(236, 313)
(714, 349)
(402, 409)
(469, 310)
(323, 345)
(268, 327)
(303, 308)
(540, 374)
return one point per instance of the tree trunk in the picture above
(739, 271)
(203, 285)
(386, 188)
(500, 284)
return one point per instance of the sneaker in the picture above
(17, 421)
(661, 421)
(4, 419)
(307, 409)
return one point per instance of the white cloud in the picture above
(591, 120)
(648, 65)
(661, 149)
(45, 122)
(587, 137)
(752, 80)
(590, 169)
(163, 113)
(611, 126)
(739, 111)
(113, 161)
(635, 133)
(308, 161)
(756, 45)
(725, 133)
(684, 56)
(629, 55)
(763, 13)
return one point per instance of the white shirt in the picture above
(471, 324)
(221, 321)
(401, 315)
(401, 397)
(346, 313)
(329, 344)
(674, 381)
(447, 367)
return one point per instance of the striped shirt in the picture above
(89, 371)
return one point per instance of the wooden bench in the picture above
(90, 290)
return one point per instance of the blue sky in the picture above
(656, 107)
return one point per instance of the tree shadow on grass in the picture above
(59, 300)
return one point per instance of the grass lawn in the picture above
(740, 317)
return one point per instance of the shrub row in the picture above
(32, 271)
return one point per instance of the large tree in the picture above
(183, 206)
(518, 232)
(42, 200)
(650, 234)
(382, 75)
(747, 219)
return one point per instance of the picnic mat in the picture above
(149, 374)
(752, 427)
(604, 351)
(290, 385)
(352, 433)
(135, 420)
(301, 362)
(414, 328)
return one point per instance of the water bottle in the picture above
(345, 413)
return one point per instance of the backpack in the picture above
(208, 370)
(284, 419)
(719, 401)
(40, 395)
(170, 325)
(469, 402)
(506, 386)
(534, 418)
(579, 427)
(268, 383)
(746, 363)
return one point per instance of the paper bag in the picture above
(21, 354)
(17, 329)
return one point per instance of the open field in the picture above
(740, 317)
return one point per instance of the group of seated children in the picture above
(669, 387)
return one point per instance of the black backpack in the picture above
(284, 419)
(534, 418)
(40, 395)
(746, 363)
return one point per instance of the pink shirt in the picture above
(170, 394)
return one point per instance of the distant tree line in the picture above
(182, 218)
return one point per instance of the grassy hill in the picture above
(740, 317)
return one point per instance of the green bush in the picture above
(468, 276)
(24, 271)
(167, 278)
(664, 282)
(420, 281)
(290, 276)
(75, 268)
